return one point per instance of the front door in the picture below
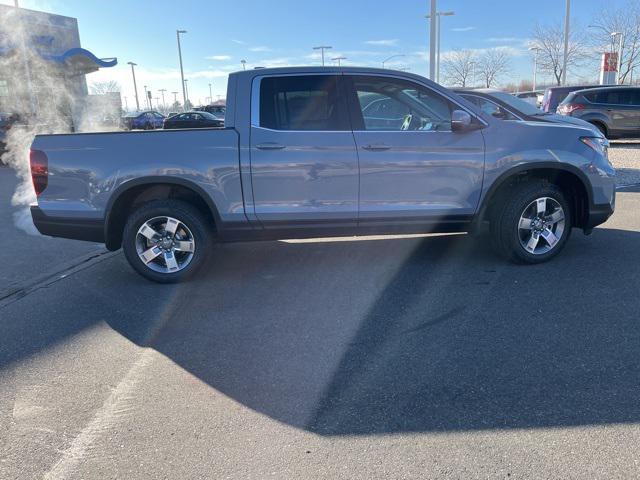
(413, 168)
(304, 165)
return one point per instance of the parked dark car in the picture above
(217, 110)
(614, 110)
(7, 120)
(508, 107)
(5, 124)
(148, 120)
(553, 96)
(193, 120)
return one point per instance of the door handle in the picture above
(270, 146)
(377, 147)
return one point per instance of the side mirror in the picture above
(460, 121)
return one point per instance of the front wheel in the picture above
(166, 240)
(533, 223)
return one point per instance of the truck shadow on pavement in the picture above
(383, 336)
(415, 335)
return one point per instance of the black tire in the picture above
(196, 223)
(504, 223)
(600, 127)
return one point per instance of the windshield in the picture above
(517, 103)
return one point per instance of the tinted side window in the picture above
(394, 104)
(495, 110)
(472, 98)
(310, 102)
(601, 97)
(615, 97)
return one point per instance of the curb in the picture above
(621, 188)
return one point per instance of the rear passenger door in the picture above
(304, 165)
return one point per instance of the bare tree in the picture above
(458, 67)
(626, 21)
(550, 41)
(100, 88)
(492, 65)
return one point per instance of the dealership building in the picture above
(43, 65)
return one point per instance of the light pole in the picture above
(535, 64)
(338, 59)
(210, 95)
(162, 90)
(391, 57)
(432, 41)
(244, 64)
(567, 17)
(184, 88)
(175, 97)
(135, 87)
(146, 96)
(438, 16)
(322, 48)
(619, 62)
(186, 93)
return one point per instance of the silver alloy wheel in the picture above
(541, 225)
(165, 244)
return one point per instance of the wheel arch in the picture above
(568, 177)
(142, 190)
(601, 125)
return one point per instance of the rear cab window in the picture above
(305, 102)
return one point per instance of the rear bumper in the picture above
(65, 227)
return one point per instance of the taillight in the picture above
(569, 108)
(39, 170)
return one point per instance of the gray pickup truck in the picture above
(310, 152)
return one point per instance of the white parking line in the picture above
(118, 404)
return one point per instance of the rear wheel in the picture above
(533, 224)
(166, 240)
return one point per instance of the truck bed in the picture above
(87, 170)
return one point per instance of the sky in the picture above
(283, 32)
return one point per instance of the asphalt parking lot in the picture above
(403, 358)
